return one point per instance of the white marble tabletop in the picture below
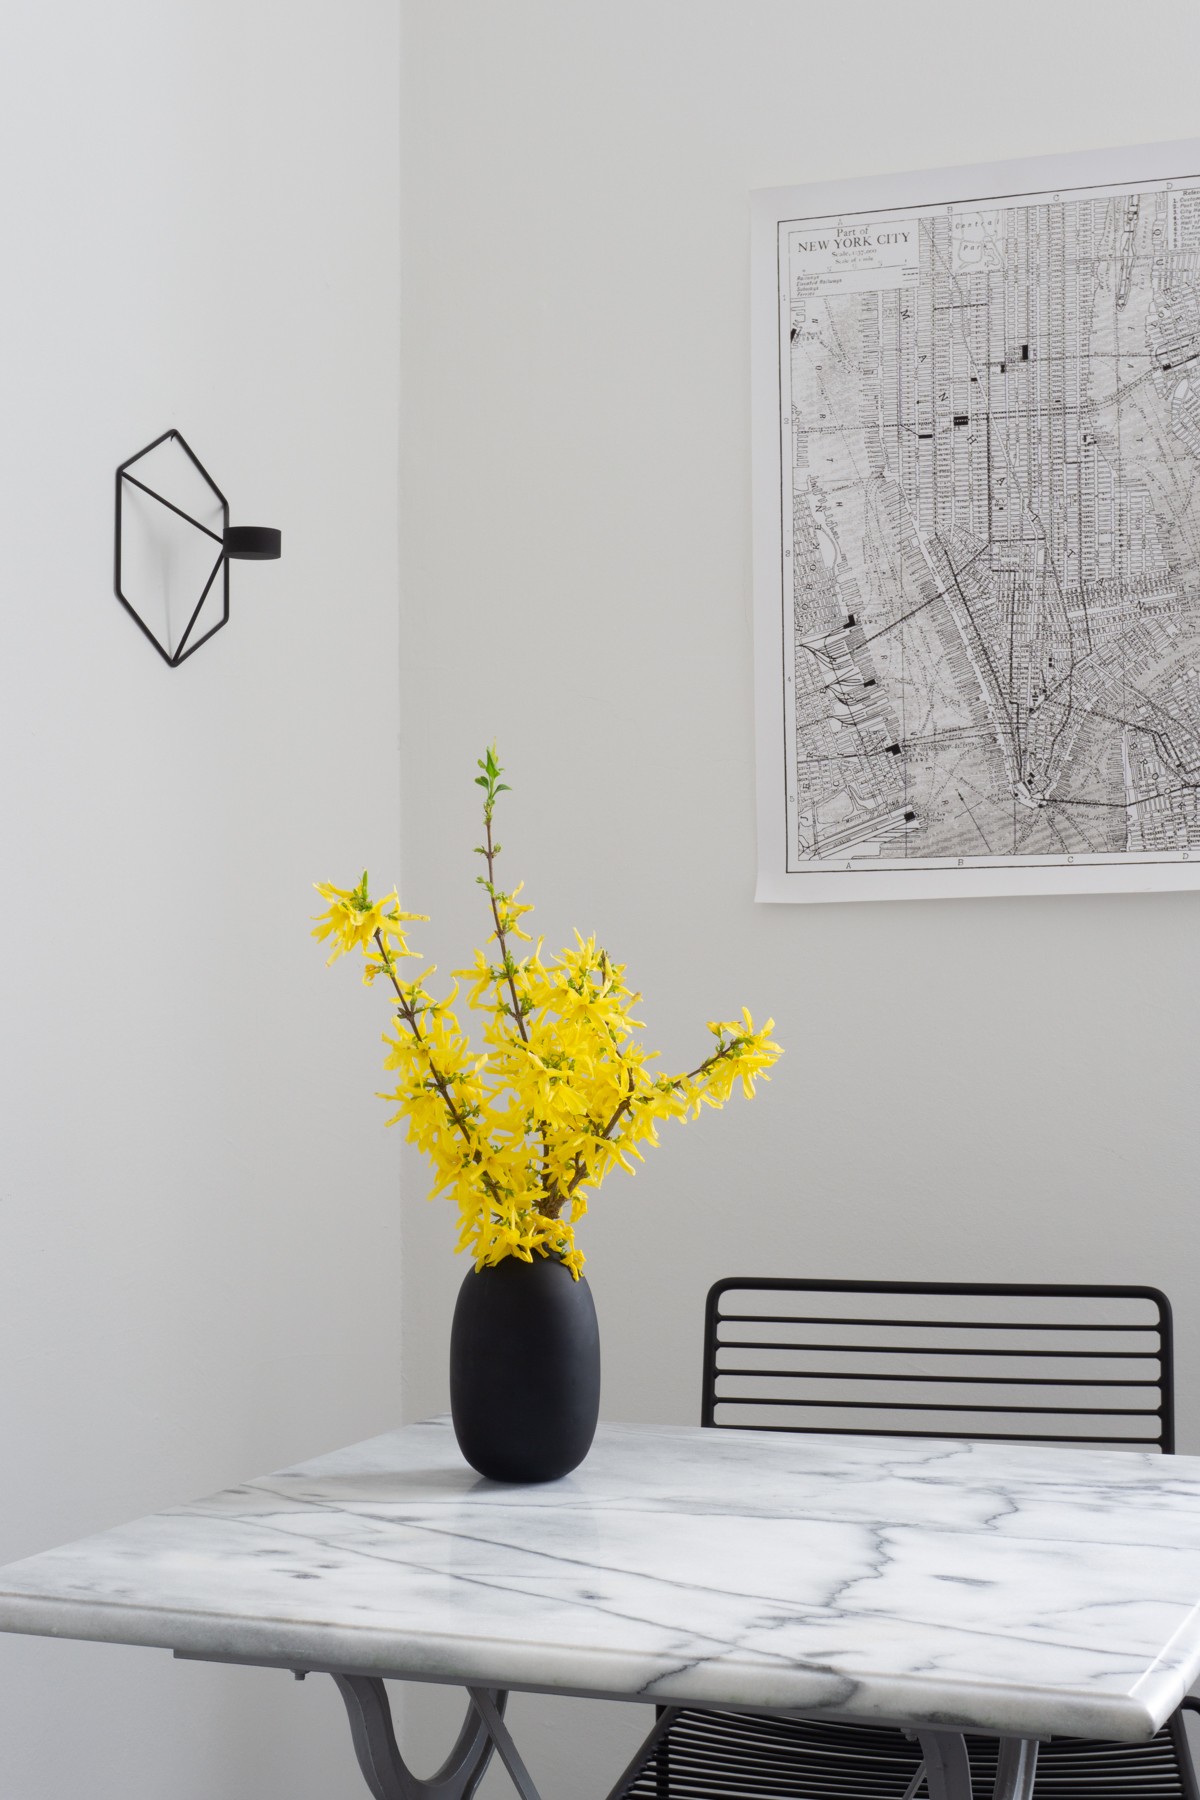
(961, 1585)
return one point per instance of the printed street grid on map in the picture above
(989, 431)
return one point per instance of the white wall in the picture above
(199, 1244)
(992, 1089)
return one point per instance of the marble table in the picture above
(943, 1585)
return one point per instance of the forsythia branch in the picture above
(562, 1092)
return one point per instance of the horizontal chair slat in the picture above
(942, 1350)
(1114, 1412)
(926, 1324)
(726, 1756)
(1004, 1381)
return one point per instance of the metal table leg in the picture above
(388, 1776)
(656, 1741)
(485, 1705)
(1016, 1769)
(948, 1772)
(945, 1771)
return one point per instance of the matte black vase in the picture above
(524, 1370)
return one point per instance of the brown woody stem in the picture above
(409, 1015)
(551, 1202)
(501, 938)
(709, 1062)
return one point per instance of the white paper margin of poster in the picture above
(1140, 166)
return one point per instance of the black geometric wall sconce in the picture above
(171, 517)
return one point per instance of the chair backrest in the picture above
(1030, 1364)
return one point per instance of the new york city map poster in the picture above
(977, 529)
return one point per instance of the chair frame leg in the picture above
(654, 1740)
(1183, 1751)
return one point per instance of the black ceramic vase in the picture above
(524, 1370)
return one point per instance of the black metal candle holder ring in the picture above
(240, 543)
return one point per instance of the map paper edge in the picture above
(925, 187)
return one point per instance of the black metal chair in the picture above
(1019, 1363)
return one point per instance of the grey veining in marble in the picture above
(1024, 1590)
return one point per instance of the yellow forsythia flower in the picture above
(562, 1092)
(354, 920)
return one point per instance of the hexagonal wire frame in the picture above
(183, 649)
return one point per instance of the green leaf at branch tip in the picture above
(490, 779)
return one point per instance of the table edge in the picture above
(1002, 1708)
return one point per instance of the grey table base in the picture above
(944, 1770)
